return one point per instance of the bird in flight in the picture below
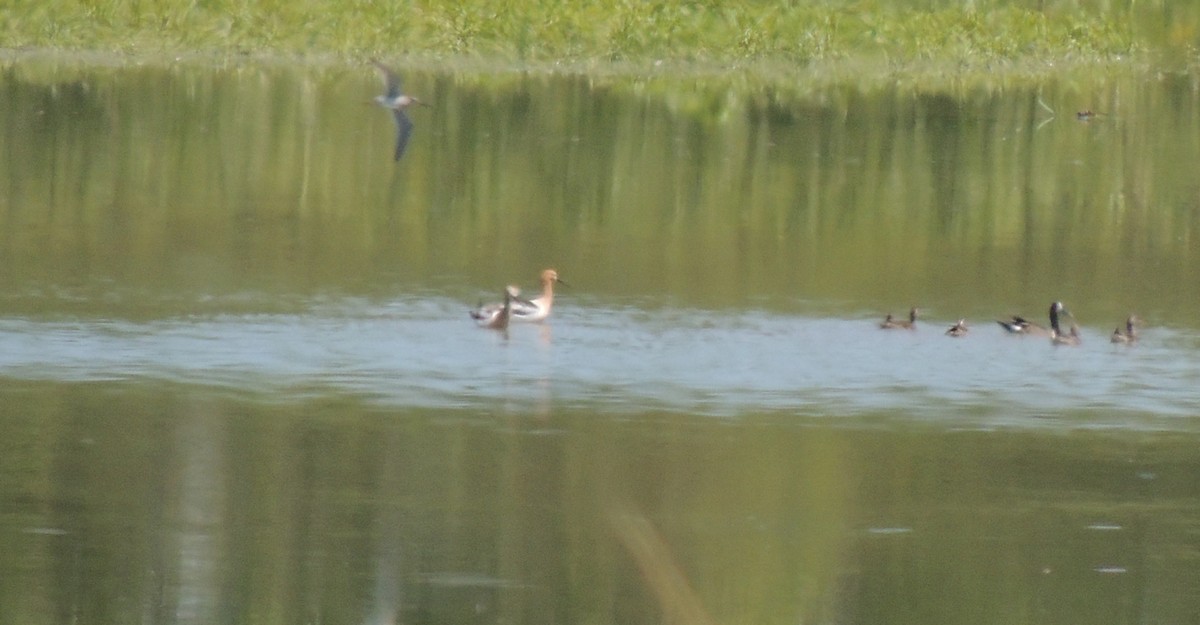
(396, 101)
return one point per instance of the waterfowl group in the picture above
(1022, 326)
(497, 316)
(520, 309)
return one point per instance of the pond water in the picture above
(238, 381)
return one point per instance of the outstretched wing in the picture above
(404, 127)
(391, 80)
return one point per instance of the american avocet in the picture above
(397, 102)
(1021, 325)
(1056, 334)
(892, 323)
(958, 329)
(1130, 334)
(498, 319)
(536, 309)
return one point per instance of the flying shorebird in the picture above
(397, 102)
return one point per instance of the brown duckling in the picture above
(1056, 334)
(497, 319)
(1130, 334)
(891, 323)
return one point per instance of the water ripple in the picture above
(425, 352)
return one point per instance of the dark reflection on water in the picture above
(238, 382)
(188, 181)
(162, 503)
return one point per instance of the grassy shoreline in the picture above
(576, 30)
(869, 39)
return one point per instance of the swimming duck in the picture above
(1070, 338)
(1056, 335)
(536, 309)
(1021, 325)
(498, 319)
(1130, 334)
(958, 329)
(891, 323)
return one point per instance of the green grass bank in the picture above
(984, 35)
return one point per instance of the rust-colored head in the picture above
(551, 275)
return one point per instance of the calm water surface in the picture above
(238, 382)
